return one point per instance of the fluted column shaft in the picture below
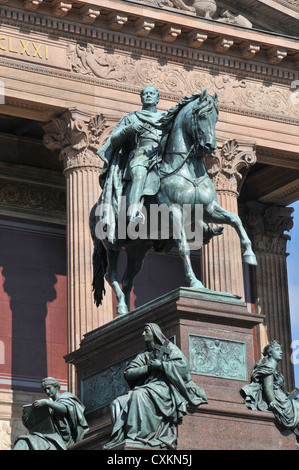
(222, 258)
(78, 136)
(266, 225)
(222, 268)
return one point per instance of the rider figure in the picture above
(141, 132)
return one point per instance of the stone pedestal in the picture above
(217, 335)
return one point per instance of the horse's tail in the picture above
(99, 261)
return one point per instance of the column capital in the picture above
(266, 225)
(229, 164)
(78, 135)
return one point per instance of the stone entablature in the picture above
(252, 71)
(165, 25)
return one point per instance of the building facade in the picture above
(69, 71)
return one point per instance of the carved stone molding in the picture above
(228, 166)
(266, 225)
(78, 136)
(32, 196)
(234, 92)
(114, 17)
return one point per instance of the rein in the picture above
(193, 148)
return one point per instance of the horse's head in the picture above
(203, 122)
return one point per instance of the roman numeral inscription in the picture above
(24, 48)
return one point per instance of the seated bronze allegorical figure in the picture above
(161, 389)
(266, 390)
(54, 423)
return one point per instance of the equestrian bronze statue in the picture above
(156, 161)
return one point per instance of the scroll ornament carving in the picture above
(32, 196)
(266, 225)
(78, 138)
(234, 92)
(227, 166)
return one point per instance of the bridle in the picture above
(194, 149)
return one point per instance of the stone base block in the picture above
(217, 335)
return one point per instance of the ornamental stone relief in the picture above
(32, 196)
(266, 224)
(234, 92)
(78, 137)
(227, 166)
(217, 357)
(101, 388)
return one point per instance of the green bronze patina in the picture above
(152, 159)
(266, 391)
(161, 389)
(54, 423)
(217, 357)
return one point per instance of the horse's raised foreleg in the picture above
(214, 213)
(135, 258)
(111, 276)
(183, 247)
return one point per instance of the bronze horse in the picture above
(189, 134)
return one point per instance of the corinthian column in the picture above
(222, 258)
(266, 225)
(78, 136)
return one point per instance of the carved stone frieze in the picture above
(228, 165)
(78, 137)
(233, 92)
(266, 224)
(88, 60)
(32, 196)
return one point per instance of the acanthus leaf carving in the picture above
(266, 225)
(78, 137)
(228, 166)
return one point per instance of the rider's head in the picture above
(150, 96)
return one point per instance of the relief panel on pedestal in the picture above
(217, 357)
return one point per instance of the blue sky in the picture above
(293, 280)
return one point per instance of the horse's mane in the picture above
(167, 120)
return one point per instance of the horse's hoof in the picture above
(122, 310)
(250, 259)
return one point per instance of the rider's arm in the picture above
(121, 134)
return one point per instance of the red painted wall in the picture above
(33, 305)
